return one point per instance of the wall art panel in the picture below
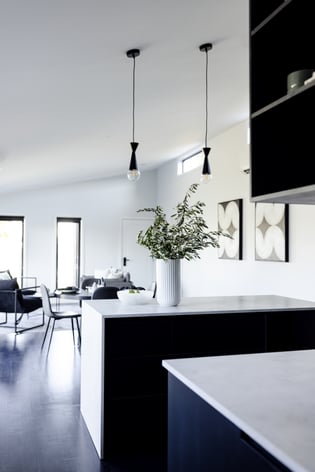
(230, 215)
(271, 232)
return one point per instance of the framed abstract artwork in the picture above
(230, 216)
(272, 232)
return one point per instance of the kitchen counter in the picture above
(269, 396)
(199, 305)
(123, 382)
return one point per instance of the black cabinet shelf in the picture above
(281, 42)
(281, 100)
(281, 46)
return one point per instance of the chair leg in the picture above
(72, 327)
(46, 331)
(17, 320)
(51, 333)
(79, 331)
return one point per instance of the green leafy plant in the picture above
(184, 235)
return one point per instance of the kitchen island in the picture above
(123, 382)
(242, 413)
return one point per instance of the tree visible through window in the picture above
(68, 252)
(11, 244)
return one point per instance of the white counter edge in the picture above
(278, 453)
(92, 376)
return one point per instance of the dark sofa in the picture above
(19, 302)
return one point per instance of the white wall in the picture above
(101, 205)
(213, 276)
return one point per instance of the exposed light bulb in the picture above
(204, 179)
(133, 175)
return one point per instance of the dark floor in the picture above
(41, 428)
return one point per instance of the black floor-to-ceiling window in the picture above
(12, 244)
(68, 252)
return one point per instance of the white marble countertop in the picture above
(200, 305)
(270, 396)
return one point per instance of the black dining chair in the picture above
(57, 315)
(105, 292)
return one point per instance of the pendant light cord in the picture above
(133, 98)
(206, 133)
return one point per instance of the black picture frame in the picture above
(272, 232)
(230, 220)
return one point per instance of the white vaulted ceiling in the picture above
(66, 84)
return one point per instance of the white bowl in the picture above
(135, 297)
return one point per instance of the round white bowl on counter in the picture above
(135, 297)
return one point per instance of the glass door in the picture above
(68, 252)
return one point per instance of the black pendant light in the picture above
(206, 172)
(133, 172)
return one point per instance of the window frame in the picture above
(78, 221)
(183, 162)
(22, 220)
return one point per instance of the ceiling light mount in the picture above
(205, 47)
(133, 53)
(206, 172)
(133, 172)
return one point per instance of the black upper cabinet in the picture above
(259, 11)
(281, 42)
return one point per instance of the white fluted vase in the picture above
(168, 282)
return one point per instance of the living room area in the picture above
(101, 226)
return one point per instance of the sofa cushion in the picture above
(10, 284)
(8, 296)
(109, 273)
(5, 275)
(11, 300)
(31, 303)
(115, 274)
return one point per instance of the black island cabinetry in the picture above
(124, 395)
(136, 383)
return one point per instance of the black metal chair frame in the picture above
(28, 290)
(18, 310)
(57, 315)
